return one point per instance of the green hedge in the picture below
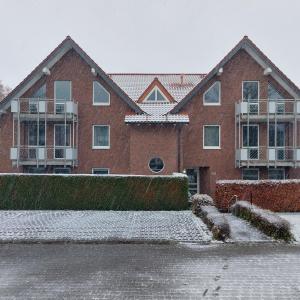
(84, 192)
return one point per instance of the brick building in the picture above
(241, 120)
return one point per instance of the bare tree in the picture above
(4, 90)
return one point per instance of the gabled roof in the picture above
(247, 45)
(178, 85)
(66, 45)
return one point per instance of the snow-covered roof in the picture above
(178, 85)
(159, 108)
(157, 118)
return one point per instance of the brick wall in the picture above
(276, 195)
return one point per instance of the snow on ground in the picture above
(294, 220)
(97, 226)
(242, 231)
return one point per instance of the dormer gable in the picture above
(155, 93)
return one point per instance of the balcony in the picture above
(38, 155)
(268, 156)
(263, 110)
(50, 109)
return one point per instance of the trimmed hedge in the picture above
(203, 207)
(265, 220)
(90, 192)
(275, 195)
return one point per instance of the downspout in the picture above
(179, 149)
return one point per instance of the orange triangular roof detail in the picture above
(159, 85)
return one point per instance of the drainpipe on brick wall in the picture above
(178, 149)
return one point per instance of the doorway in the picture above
(193, 178)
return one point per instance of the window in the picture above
(251, 140)
(62, 139)
(250, 174)
(280, 140)
(36, 170)
(211, 138)
(250, 90)
(156, 164)
(280, 135)
(100, 171)
(36, 137)
(39, 94)
(62, 91)
(276, 174)
(273, 94)
(100, 95)
(251, 95)
(213, 95)
(250, 136)
(101, 137)
(156, 95)
(62, 171)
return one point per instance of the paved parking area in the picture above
(123, 271)
(102, 226)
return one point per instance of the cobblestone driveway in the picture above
(73, 271)
(181, 226)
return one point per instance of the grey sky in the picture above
(147, 36)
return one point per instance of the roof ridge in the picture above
(127, 73)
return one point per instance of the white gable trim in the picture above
(156, 88)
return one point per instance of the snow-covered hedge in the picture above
(275, 195)
(265, 220)
(215, 221)
(80, 192)
(201, 199)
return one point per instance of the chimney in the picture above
(181, 79)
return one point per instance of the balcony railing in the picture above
(288, 156)
(268, 107)
(43, 106)
(57, 155)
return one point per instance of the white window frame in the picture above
(209, 103)
(106, 169)
(101, 147)
(258, 91)
(211, 147)
(156, 101)
(61, 102)
(282, 169)
(254, 169)
(61, 147)
(251, 147)
(97, 103)
(70, 89)
(162, 162)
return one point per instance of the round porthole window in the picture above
(156, 164)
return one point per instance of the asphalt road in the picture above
(128, 271)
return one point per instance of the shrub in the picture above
(90, 192)
(265, 220)
(199, 200)
(215, 221)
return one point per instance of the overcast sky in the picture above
(148, 36)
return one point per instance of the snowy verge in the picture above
(265, 220)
